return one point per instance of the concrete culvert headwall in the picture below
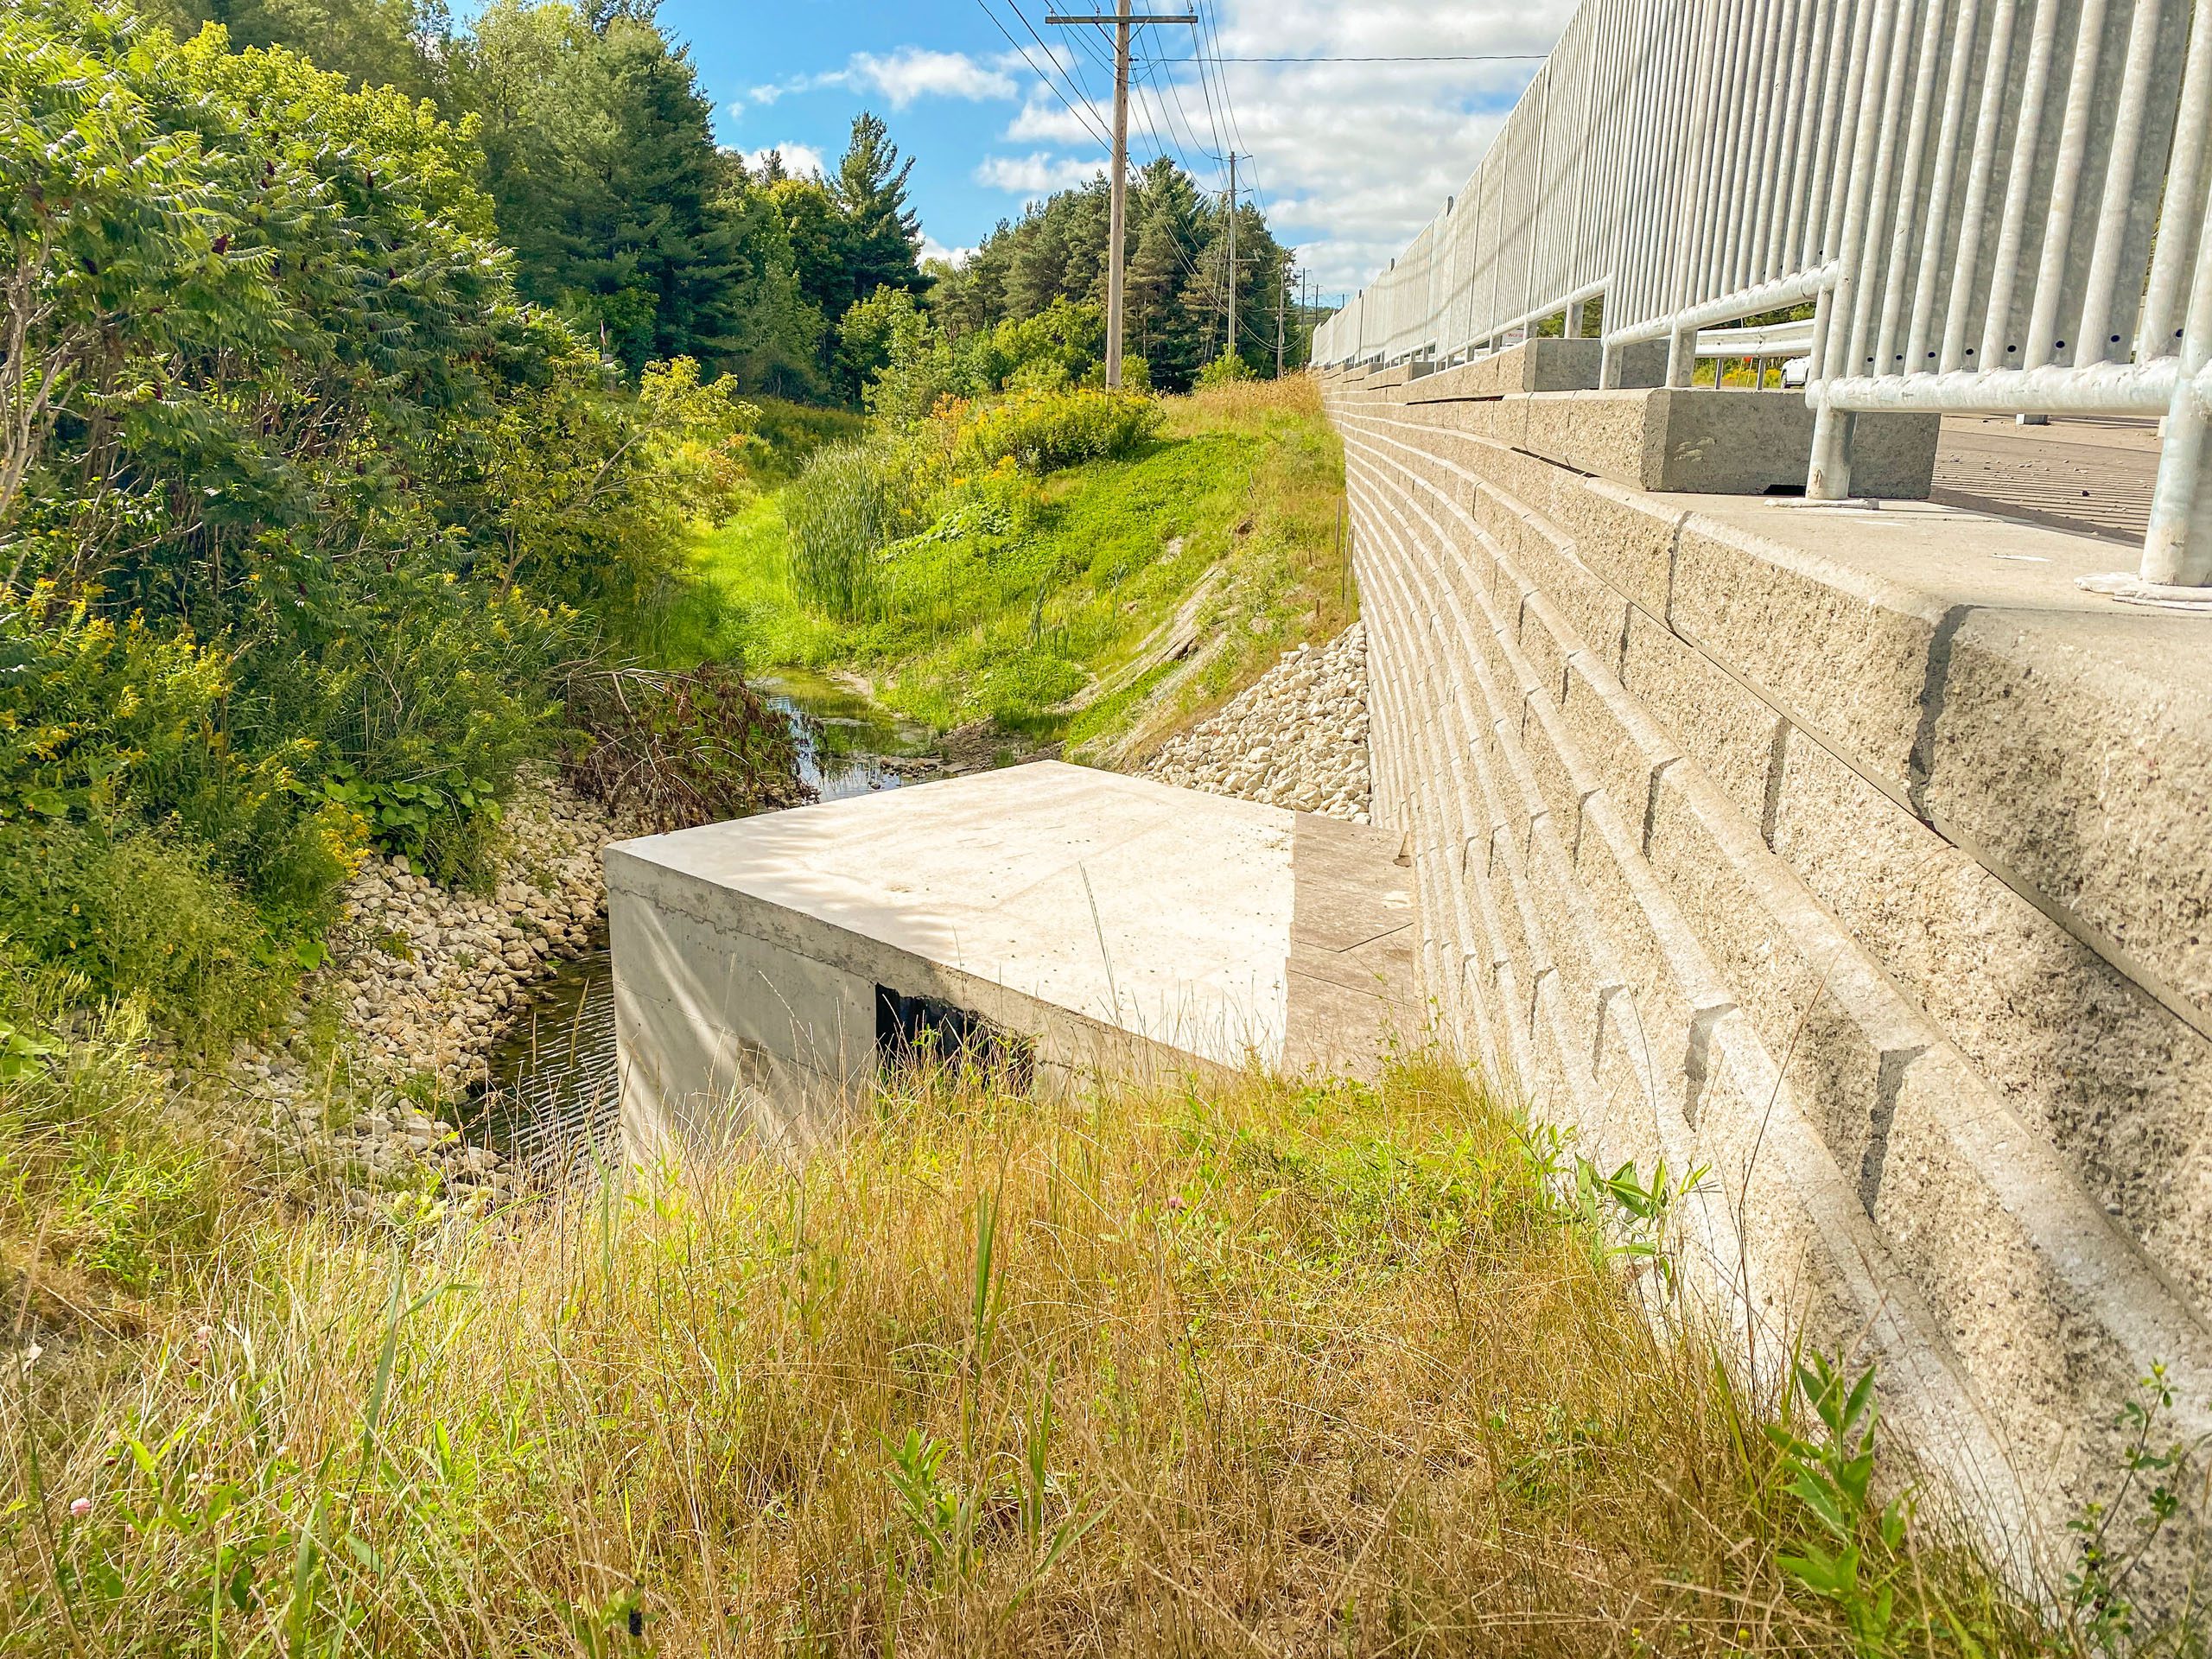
(1851, 850)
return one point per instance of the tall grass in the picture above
(1268, 1368)
(845, 505)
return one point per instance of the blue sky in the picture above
(1350, 158)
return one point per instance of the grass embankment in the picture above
(1266, 1369)
(1020, 617)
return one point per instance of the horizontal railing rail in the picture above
(1986, 205)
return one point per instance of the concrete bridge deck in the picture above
(2090, 475)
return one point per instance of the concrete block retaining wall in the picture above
(1856, 855)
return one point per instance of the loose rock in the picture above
(427, 980)
(1296, 737)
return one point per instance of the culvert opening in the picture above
(920, 1037)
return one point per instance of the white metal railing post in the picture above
(2179, 550)
(1990, 205)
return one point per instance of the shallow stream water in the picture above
(550, 1101)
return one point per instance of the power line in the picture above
(1174, 90)
(1159, 96)
(1210, 27)
(1088, 121)
(1411, 57)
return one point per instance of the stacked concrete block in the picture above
(1852, 851)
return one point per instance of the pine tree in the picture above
(880, 236)
(1177, 270)
(607, 184)
(1159, 324)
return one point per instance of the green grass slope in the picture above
(1036, 620)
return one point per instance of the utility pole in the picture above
(1116, 234)
(1232, 254)
(1232, 159)
(1282, 293)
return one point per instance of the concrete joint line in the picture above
(1889, 1083)
(1778, 769)
(1920, 758)
(1651, 805)
(1697, 1059)
(2092, 938)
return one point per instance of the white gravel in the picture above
(1296, 737)
(424, 980)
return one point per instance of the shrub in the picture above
(419, 708)
(1041, 431)
(89, 706)
(141, 916)
(680, 749)
(1226, 369)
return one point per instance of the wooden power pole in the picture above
(1232, 252)
(1282, 293)
(1123, 21)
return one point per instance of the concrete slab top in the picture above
(1948, 555)
(1219, 927)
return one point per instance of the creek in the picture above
(551, 1101)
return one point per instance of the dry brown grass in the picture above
(1274, 1370)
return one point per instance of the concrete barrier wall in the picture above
(1853, 852)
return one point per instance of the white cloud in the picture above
(1351, 159)
(933, 248)
(1044, 119)
(799, 159)
(1037, 175)
(901, 77)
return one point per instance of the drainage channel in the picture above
(551, 1104)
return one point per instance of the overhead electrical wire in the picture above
(1413, 57)
(1081, 115)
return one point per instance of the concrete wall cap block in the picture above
(1624, 536)
(2078, 751)
(1618, 434)
(1842, 650)
(1547, 364)
(1690, 438)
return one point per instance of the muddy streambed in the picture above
(551, 1100)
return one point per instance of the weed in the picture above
(1327, 1367)
(2112, 1545)
(1854, 1553)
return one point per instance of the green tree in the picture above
(808, 213)
(880, 236)
(1178, 273)
(602, 163)
(397, 43)
(779, 330)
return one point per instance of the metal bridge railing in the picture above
(1991, 204)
